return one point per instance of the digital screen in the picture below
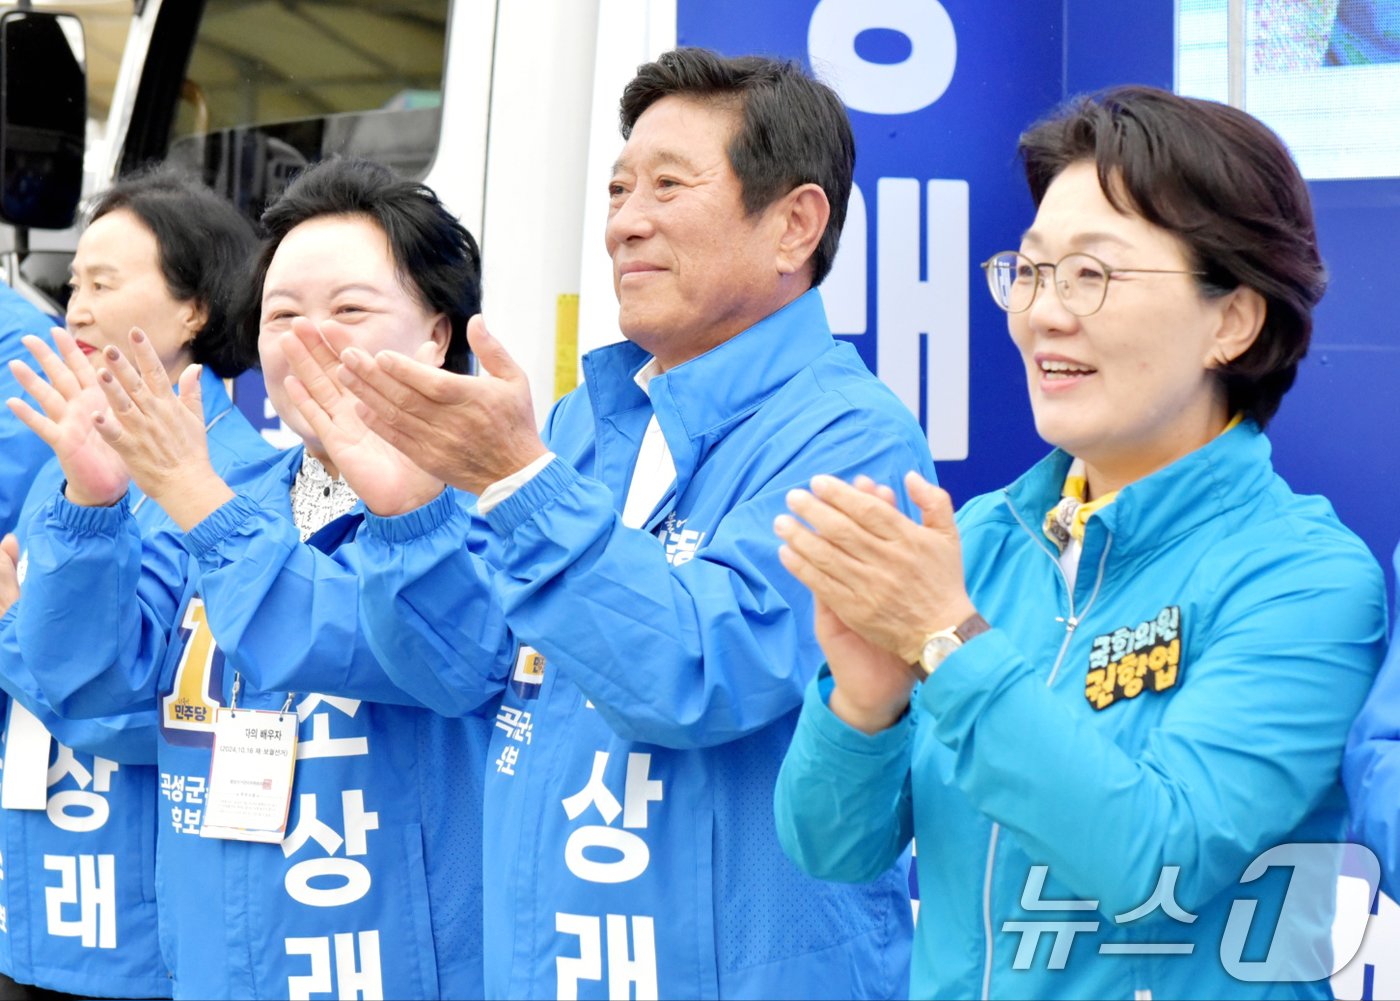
(1323, 74)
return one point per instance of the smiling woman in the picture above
(250, 602)
(1136, 665)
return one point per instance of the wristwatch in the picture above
(940, 644)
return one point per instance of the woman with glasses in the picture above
(1100, 696)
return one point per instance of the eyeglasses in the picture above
(1081, 280)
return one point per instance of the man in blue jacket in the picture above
(630, 845)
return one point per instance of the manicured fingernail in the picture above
(137, 337)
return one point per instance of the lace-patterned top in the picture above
(317, 499)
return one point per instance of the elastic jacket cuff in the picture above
(90, 520)
(536, 493)
(205, 537)
(415, 524)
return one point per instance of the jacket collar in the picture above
(331, 535)
(721, 384)
(1217, 477)
(695, 402)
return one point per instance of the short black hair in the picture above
(204, 245)
(1222, 183)
(793, 129)
(435, 257)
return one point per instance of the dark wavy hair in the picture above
(1222, 183)
(204, 245)
(793, 129)
(437, 260)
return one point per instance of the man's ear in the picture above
(1241, 319)
(802, 215)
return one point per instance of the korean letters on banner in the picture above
(600, 850)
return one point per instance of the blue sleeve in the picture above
(286, 614)
(1243, 753)
(96, 609)
(843, 803)
(1372, 769)
(129, 739)
(688, 655)
(429, 607)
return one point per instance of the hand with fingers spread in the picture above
(383, 477)
(160, 436)
(469, 431)
(9, 572)
(69, 400)
(889, 579)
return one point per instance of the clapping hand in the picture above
(69, 401)
(383, 477)
(467, 430)
(160, 436)
(885, 578)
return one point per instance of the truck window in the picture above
(272, 85)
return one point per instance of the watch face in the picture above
(936, 651)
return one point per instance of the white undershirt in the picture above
(1069, 562)
(652, 476)
(655, 470)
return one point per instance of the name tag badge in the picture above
(250, 775)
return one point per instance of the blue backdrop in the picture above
(1336, 432)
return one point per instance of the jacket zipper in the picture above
(1071, 623)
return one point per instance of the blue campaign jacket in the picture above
(1372, 769)
(630, 776)
(79, 880)
(22, 451)
(1186, 707)
(377, 885)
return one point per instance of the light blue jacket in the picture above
(377, 887)
(22, 451)
(1372, 770)
(630, 778)
(79, 879)
(1186, 707)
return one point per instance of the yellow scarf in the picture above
(1066, 520)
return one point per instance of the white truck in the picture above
(504, 97)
